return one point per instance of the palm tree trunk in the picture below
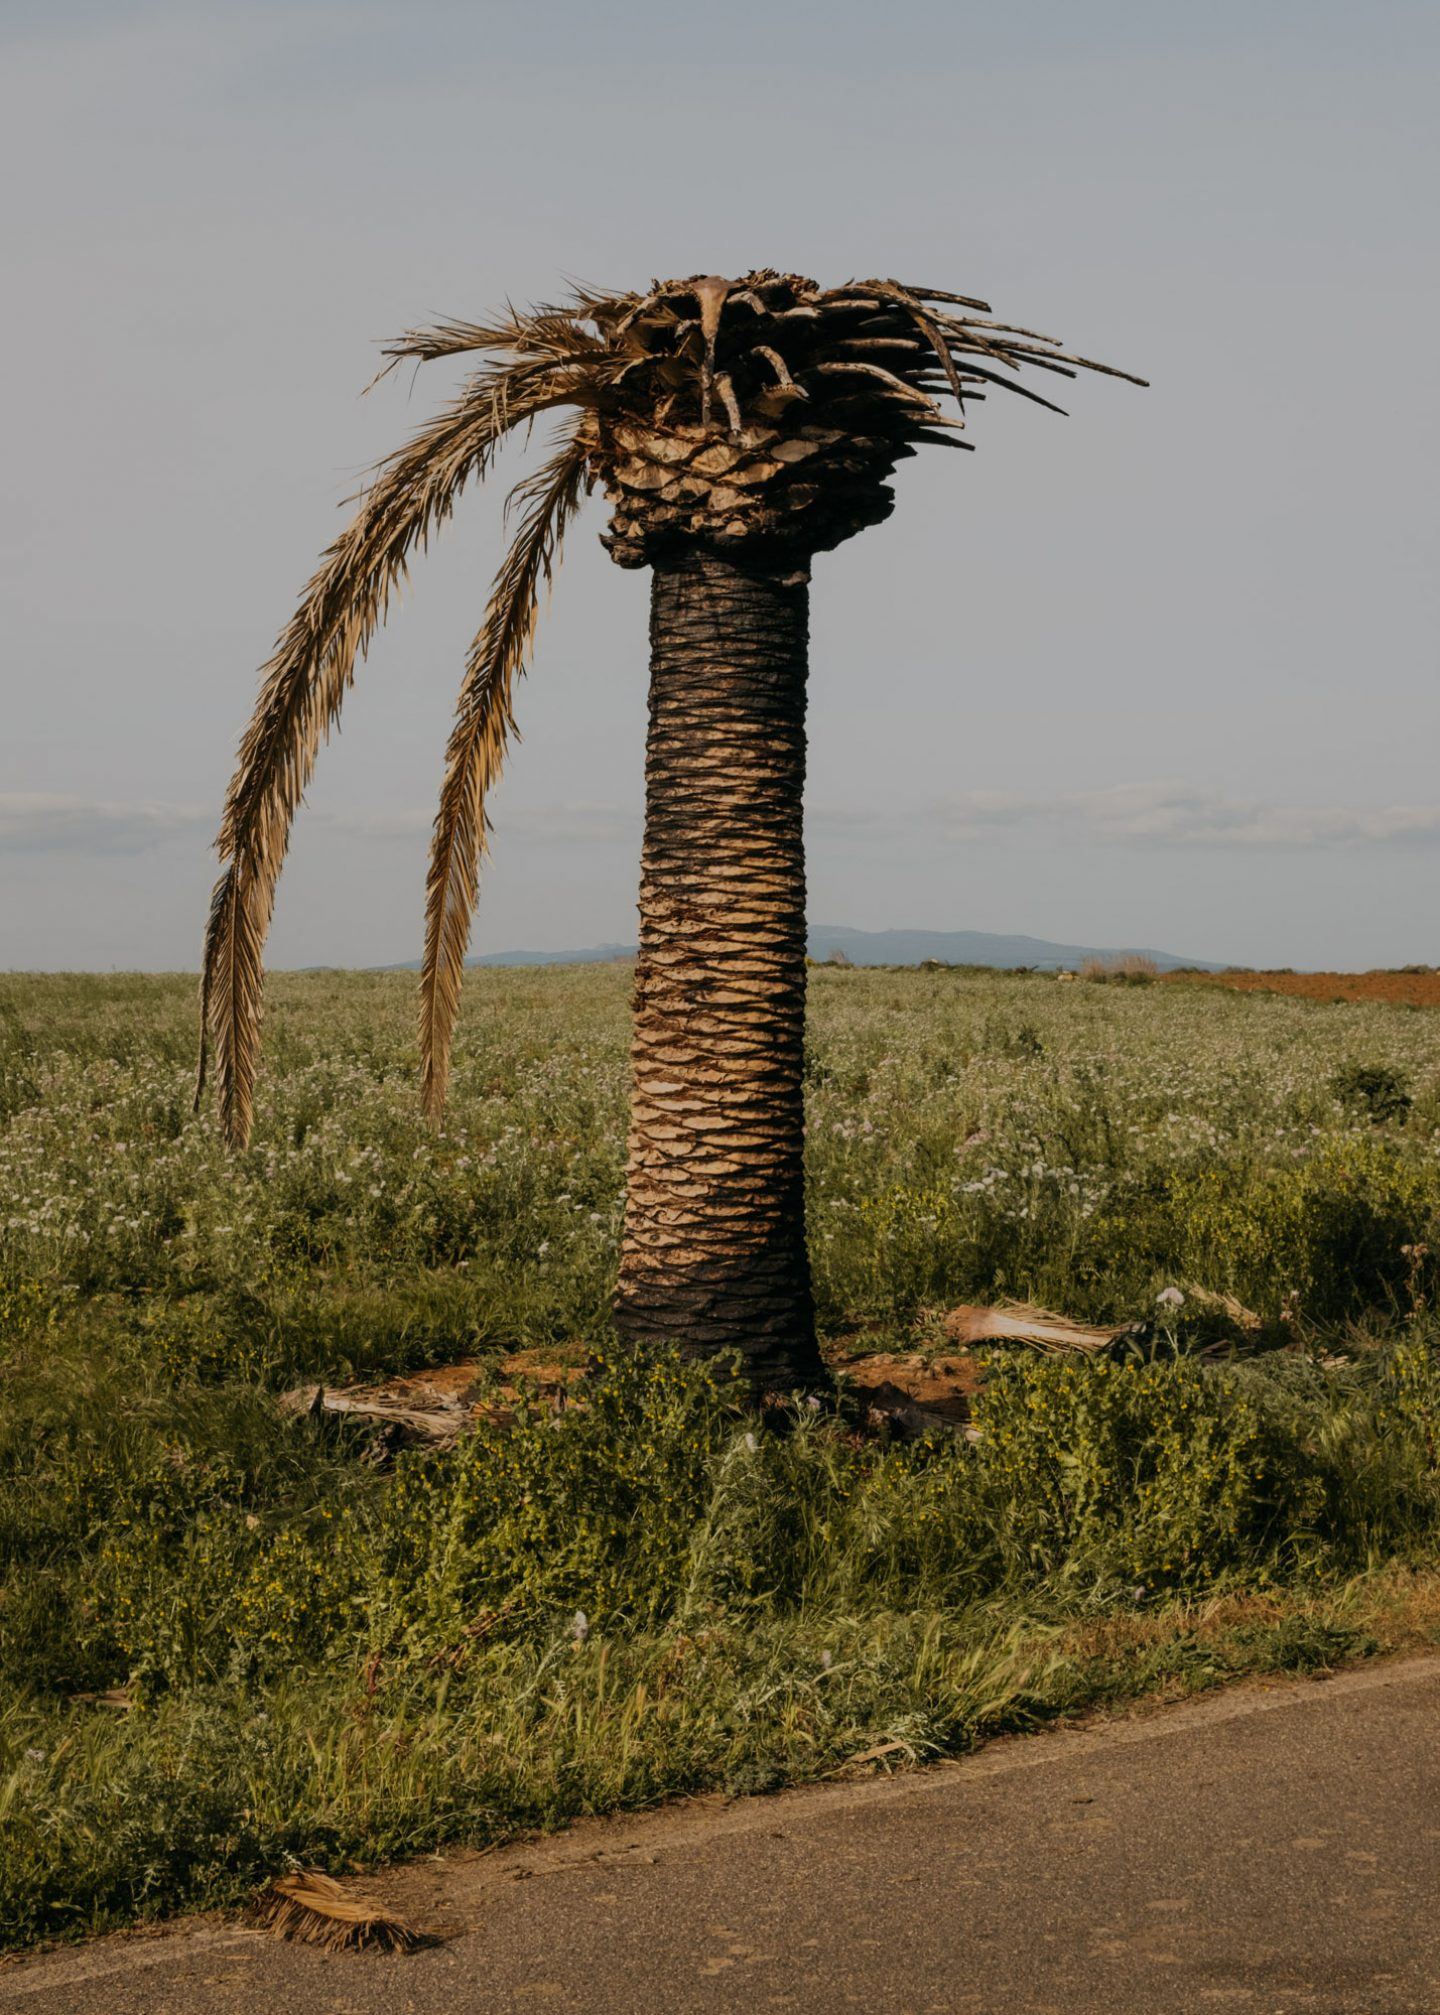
(714, 1253)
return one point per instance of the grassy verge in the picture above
(641, 1598)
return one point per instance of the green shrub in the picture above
(1376, 1089)
(540, 1517)
(1162, 1473)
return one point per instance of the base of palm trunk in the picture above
(714, 1254)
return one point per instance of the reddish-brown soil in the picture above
(443, 1383)
(907, 1393)
(1398, 989)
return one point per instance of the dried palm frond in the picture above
(303, 688)
(311, 1909)
(483, 725)
(232, 976)
(550, 333)
(1224, 1304)
(744, 415)
(1020, 1322)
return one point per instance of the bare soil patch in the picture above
(1397, 989)
(898, 1391)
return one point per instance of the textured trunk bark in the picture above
(714, 1253)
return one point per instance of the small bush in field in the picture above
(1131, 969)
(1375, 1089)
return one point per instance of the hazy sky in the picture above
(1160, 673)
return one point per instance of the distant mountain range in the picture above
(973, 948)
(885, 948)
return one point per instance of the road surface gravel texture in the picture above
(1268, 1850)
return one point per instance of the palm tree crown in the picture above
(740, 416)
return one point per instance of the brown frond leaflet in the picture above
(230, 991)
(484, 723)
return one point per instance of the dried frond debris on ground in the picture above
(1018, 1322)
(312, 1909)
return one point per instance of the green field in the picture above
(329, 1658)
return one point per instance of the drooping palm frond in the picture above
(484, 723)
(303, 687)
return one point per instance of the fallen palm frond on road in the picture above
(311, 1909)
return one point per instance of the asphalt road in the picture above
(1267, 1850)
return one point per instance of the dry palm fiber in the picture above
(1020, 1322)
(311, 1909)
(1224, 1304)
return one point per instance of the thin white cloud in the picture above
(1121, 815)
(1176, 814)
(49, 822)
(52, 822)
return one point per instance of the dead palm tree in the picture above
(737, 428)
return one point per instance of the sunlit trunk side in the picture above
(714, 1253)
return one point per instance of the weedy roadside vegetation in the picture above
(230, 1642)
